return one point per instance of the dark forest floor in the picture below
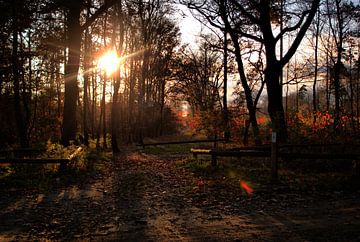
(150, 196)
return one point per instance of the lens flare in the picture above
(246, 187)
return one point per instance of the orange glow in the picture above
(109, 62)
(246, 187)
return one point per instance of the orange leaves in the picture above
(262, 120)
(194, 122)
(325, 120)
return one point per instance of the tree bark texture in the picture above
(69, 126)
(20, 123)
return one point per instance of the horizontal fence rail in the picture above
(278, 151)
(182, 142)
(41, 160)
(259, 153)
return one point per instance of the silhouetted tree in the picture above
(253, 20)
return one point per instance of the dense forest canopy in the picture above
(295, 65)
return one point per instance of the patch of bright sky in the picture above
(190, 28)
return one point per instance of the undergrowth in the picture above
(44, 177)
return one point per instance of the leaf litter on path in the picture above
(143, 197)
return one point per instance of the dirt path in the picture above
(142, 197)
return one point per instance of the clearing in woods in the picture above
(159, 196)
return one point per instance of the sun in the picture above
(109, 62)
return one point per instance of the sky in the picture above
(190, 29)
(189, 26)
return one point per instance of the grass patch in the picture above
(200, 166)
(227, 168)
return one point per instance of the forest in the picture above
(107, 75)
(293, 68)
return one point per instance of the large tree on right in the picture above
(264, 22)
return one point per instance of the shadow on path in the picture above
(141, 197)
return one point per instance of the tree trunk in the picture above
(272, 74)
(246, 132)
(74, 32)
(352, 111)
(142, 87)
(339, 38)
(162, 105)
(24, 142)
(87, 48)
(274, 67)
(337, 69)
(115, 104)
(103, 108)
(93, 105)
(327, 81)
(357, 92)
(316, 67)
(275, 105)
(131, 105)
(248, 93)
(27, 90)
(69, 127)
(115, 115)
(226, 113)
(86, 97)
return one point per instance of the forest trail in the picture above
(142, 197)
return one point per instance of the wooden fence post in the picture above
(274, 158)
(62, 167)
(213, 160)
(215, 141)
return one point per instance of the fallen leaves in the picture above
(141, 195)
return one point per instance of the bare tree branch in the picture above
(251, 17)
(292, 28)
(301, 34)
(100, 11)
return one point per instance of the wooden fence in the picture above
(62, 161)
(182, 142)
(275, 151)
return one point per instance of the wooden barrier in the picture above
(182, 142)
(274, 153)
(63, 161)
(228, 153)
(255, 153)
(274, 158)
(33, 160)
